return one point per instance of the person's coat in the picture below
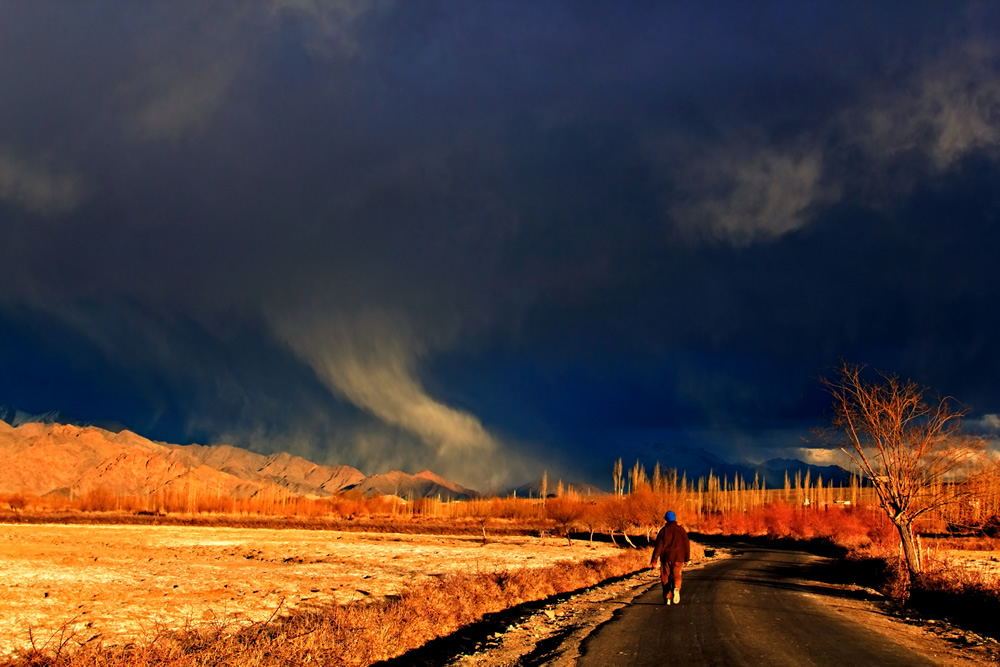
(672, 545)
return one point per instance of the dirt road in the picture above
(765, 606)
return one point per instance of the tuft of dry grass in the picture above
(966, 543)
(353, 634)
(967, 596)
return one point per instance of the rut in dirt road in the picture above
(749, 610)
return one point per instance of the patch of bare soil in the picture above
(116, 583)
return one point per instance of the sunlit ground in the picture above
(116, 582)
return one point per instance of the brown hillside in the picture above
(401, 484)
(74, 460)
(43, 458)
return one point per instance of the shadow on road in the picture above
(827, 573)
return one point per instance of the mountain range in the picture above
(697, 462)
(48, 455)
(70, 460)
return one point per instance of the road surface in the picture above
(758, 608)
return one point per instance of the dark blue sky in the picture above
(492, 238)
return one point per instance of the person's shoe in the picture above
(677, 596)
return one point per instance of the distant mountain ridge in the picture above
(65, 459)
(697, 462)
(16, 417)
(424, 484)
(49, 454)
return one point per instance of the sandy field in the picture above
(112, 583)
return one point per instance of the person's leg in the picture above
(665, 582)
(676, 569)
(675, 575)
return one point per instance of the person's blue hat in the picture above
(670, 516)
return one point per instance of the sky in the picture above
(495, 238)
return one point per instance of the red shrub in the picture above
(778, 519)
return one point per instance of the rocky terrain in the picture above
(63, 459)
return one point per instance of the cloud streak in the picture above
(173, 94)
(946, 109)
(371, 359)
(37, 186)
(754, 196)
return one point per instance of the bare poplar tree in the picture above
(911, 449)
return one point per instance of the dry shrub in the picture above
(752, 522)
(966, 543)
(15, 501)
(98, 499)
(802, 524)
(778, 519)
(882, 535)
(968, 596)
(517, 509)
(709, 523)
(850, 529)
(354, 634)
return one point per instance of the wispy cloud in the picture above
(371, 359)
(165, 104)
(333, 21)
(753, 189)
(945, 109)
(36, 186)
(187, 72)
(989, 423)
(753, 195)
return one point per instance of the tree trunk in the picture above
(909, 548)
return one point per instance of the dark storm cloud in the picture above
(429, 234)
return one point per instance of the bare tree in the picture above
(564, 512)
(17, 502)
(618, 517)
(483, 511)
(911, 449)
(592, 518)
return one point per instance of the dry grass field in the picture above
(985, 564)
(113, 583)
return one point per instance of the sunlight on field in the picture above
(116, 582)
(982, 564)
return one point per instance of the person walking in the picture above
(673, 549)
